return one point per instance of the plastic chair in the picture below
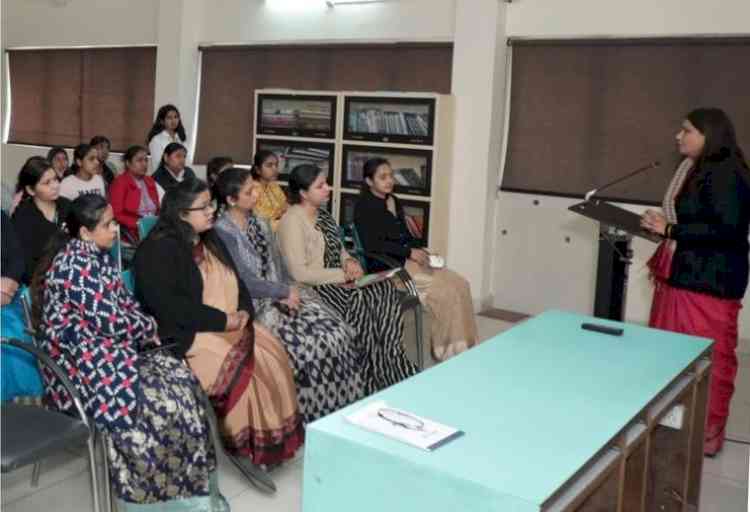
(31, 433)
(116, 251)
(145, 225)
(409, 296)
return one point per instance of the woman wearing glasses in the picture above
(186, 278)
(323, 348)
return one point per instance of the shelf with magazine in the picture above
(296, 115)
(392, 119)
(293, 152)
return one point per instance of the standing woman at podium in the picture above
(700, 270)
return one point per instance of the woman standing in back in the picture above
(167, 128)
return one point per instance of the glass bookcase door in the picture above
(293, 153)
(297, 116)
(412, 168)
(403, 120)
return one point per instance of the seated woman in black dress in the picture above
(381, 225)
(41, 213)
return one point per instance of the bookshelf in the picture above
(340, 131)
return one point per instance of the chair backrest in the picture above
(44, 360)
(129, 280)
(26, 303)
(116, 251)
(145, 225)
(351, 236)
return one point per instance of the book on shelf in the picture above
(409, 177)
(374, 120)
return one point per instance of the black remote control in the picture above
(612, 331)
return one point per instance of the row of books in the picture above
(307, 118)
(385, 121)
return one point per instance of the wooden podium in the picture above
(617, 227)
(556, 419)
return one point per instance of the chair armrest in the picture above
(402, 274)
(410, 301)
(45, 360)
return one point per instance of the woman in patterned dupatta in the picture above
(186, 277)
(313, 253)
(159, 445)
(701, 269)
(324, 350)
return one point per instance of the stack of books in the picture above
(379, 120)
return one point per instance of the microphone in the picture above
(590, 193)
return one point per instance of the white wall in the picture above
(552, 18)
(256, 20)
(88, 22)
(535, 268)
(479, 90)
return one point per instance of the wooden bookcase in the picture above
(339, 131)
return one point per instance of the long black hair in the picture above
(54, 151)
(85, 211)
(213, 168)
(131, 153)
(229, 183)
(721, 139)
(171, 148)
(158, 126)
(300, 179)
(175, 204)
(79, 153)
(31, 172)
(371, 168)
(259, 159)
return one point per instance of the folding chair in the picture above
(31, 433)
(409, 295)
(145, 225)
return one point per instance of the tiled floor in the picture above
(64, 482)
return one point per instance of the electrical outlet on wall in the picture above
(673, 419)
